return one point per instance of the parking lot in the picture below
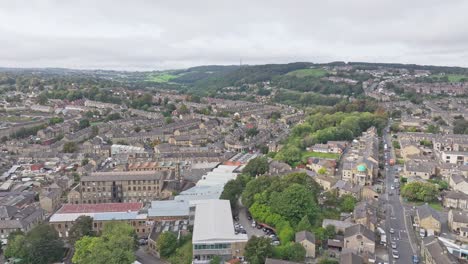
(247, 225)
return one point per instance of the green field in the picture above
(160, 77)
(453, 77)
(308, 72)
(308, 154)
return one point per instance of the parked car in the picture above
(415, 259)
(395, 254)
(392, 231)
(393, 245)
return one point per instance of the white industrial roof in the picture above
(213, 223)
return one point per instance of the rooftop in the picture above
(214, 224)
(99, 208)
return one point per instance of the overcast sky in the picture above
(153, 34)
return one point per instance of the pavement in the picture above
(247, 224)
(398, 217)
(146, 258)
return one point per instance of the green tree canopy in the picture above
(116, 244)
(39, 246)
(258, 249)
(166, 244)
(293, 203)
(256, 166)
(420, 191)
(83, 226)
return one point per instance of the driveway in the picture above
(146, 258)
(247, 224)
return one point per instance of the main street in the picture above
(397, 216)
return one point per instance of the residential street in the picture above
(397, 216)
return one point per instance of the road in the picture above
(397, 216)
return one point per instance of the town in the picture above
(369, 166)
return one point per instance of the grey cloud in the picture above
(147, 35)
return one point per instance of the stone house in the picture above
(428, 218)
(456, 200)
(307, 240)
(359, 240)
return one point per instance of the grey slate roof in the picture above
(350, 258)
(438, 252)
(305, 235)
(425, 211)
(359, 229)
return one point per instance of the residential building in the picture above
(51, 200)
(456, 200)
(366, 214)
(428, 218)
(359, 240)
(458, 183)
(19, 219)
(350, 258)
(433, 252)
(425, 170)
(458, 221)
(307, 240)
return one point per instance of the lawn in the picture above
(308, 154)
(435, 205)
(160, 77)
(317, 72)
(453, 77)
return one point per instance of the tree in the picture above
(116, 244)
(327, 261)
(291, 251)
(84, 162)
(258, 249)
(232, 191)
(215, 260)
(347, 203)
(15, 248)
(433, 129)
(168, 120)
(167, 244)
(183, 254)
(293, 203)
(420, 191)
(256, 166)
(304, 224)
(183, 109)
(83, 226)
(84, 123)
(41, 245)
(322, 171)
(70, 147)
(94, 131)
